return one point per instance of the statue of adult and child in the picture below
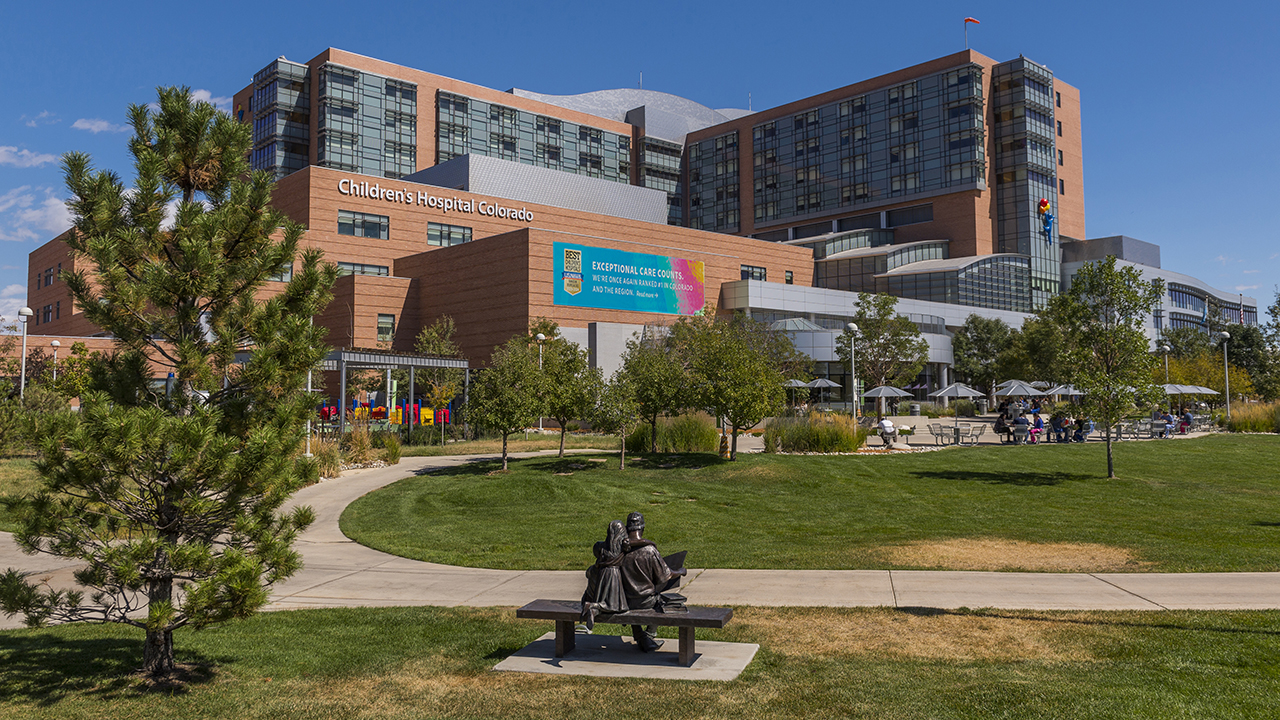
(630, 574)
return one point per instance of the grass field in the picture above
(515, 444)
(17, 477)
(1211, 504)
(813, 663)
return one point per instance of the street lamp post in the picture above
(55, 345)
(853, 370)
(1226, 371)
(1165, 349)
(540, 337)
(24, 316)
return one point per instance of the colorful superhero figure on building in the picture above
(1046, 218)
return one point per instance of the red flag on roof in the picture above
(971, 20)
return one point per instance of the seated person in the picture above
(1168, 421)
(1037, 426)
(888, 432)
(1022, 420)
(1002, 426)
(1081, 430)
(1059, 425)
(1187, 421)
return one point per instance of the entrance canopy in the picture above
(346, 359)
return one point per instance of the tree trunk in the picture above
(1111, 466)
(157, 653)
(622, 453)
(504, 451)
(562, 439)
(733, 445)
(654, 435)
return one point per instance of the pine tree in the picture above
(169, 491)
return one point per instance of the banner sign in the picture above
(606, 279)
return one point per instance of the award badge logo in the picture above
(572, 271)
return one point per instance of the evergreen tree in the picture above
(169, 491)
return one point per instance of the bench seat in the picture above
(566, 613)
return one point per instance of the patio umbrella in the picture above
(1064, 390)
(821, 383)
(885, 391)
(1017, 387)
(956, 390)
(793, 383)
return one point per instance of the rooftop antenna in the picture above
(641, 79)
(748, 102)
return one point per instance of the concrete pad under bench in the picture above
(613, 656)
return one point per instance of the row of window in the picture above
(50, 274)
(49, 313)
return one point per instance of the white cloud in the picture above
(44, 118)
(222, 103)
(24, 158)
(28, 213)
(1222, 259)
(97, 125)
(9, 308)
(1250, 272)
(1274, 256)
(1242, 288)
(13, 291)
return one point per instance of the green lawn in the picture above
(813, 663)
(17, 477)
(1210, 504)
(515, 444)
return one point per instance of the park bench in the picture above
(566, 613)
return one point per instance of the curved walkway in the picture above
(338, 572)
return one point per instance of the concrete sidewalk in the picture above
(340, 573)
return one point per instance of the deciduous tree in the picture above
(889, 347)
(508, 394)
(1109, 357)
(658, 376)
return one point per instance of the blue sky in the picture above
(1180, 100)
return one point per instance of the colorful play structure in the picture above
(398, 414)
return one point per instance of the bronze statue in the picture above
(645, 576)
(604, 593)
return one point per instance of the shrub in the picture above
(328, 456)
(816, 433)
(391, 449)
(695, 432)
(1255, 418)
(931, 410)
(358, 447)
(965, 408)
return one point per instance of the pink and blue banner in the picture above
(607, 279)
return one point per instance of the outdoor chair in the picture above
(1020, 434)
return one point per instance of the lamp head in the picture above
(25, 313)
(55, 344)
(540, 337)
(851, 327)
(1224, 335)
(1164, 348)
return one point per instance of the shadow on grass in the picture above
(580, 463)
(1155, 624)
(1266, 523)
(45, 669)
(1025, 478)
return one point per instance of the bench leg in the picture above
(687, 649)
(564, 637)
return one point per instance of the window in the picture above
(903, 122)
(751, 272)
(48, 277)
(57, 310)
(548, 125)
(902, 92)
(441, 235)
(386, 327)
(364, 225)
(284, 274)
(504, 115)
(1058, 98)
(1059, 128)
(47, 311)
(909, 215)
(347, 268)
(1062, 186)
(587, 134)
(1059, 157)
(790, 278)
